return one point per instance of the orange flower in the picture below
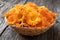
(31, 15)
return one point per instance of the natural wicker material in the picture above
(30, 31)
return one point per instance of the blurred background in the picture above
(53, 5)
(7, 4)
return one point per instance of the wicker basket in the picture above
(30, 31)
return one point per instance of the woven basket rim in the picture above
(31, 27)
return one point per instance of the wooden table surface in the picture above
(52, 34)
